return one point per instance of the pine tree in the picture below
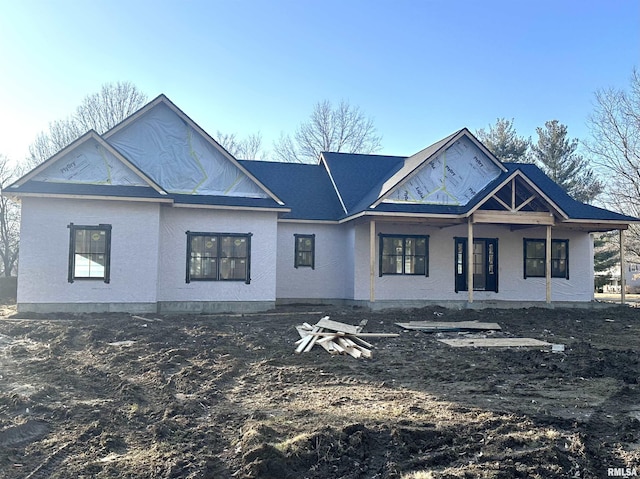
(504, 143)
(556, 155)
(605, 256)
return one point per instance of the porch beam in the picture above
(548, 264)
(470, 259)
(514, 217)
(372, 261)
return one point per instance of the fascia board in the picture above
(403, 215)
(230, 207)
(335, 187)
(19, 194)
(163, 99)
(302, 221)
(518, 173)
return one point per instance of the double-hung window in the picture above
(305, 250)
(218, 257)
(89, 252)
(406, 255)
(535, 256)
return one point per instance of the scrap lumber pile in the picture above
(337, 338)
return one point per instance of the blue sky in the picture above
(420, 69)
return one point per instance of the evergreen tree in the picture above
(605, 256)
(504, 143)
(556, 155)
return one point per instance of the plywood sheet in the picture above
(450, 326)
(495, 342)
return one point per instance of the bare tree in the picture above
(9, 219)
(249, 148)
(343, 128)
(98, 111)
(615, 146)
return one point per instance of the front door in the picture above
(485, 264)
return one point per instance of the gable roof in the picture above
(87, 138)
(180, 155)
(416, 161)
(158, 150)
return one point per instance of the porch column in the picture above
(372, 261)
(547, 266)
(470, 259)
(623, 267)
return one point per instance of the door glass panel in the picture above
(479, 277)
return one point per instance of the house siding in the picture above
(44, 254)
(332, 273)
(172, 286)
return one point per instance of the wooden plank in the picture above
(311, 343)
(449, 325)
(327, 339)
(364, 351)
(349, 348)
(357, 335)
(337, 326)
(361, 341)
(495, 342)
(514, 217)
(307, 338)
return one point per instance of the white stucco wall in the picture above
(439, 285)
(44, 251)
(332, 276)
(175, 222)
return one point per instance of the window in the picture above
(305, 250)
(404, 255)
(535, 256)
(218, 257)
(89, 252)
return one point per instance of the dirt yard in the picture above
(97, 396)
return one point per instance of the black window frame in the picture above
(297, 259)
(556, 271)
(404, 238)
(190, 277)
(71, 273)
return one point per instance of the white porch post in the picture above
(623, 267)
(372, 261)
(548, 264)
(470, 259)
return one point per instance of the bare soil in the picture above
(105, 396)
